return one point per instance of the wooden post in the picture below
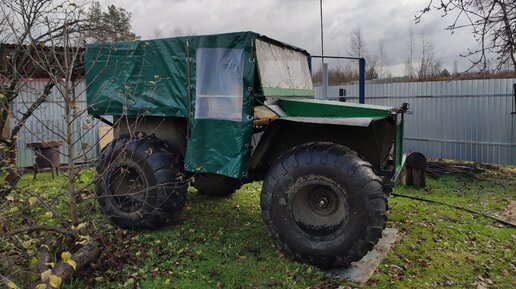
(414, 172)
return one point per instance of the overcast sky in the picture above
(297, 22)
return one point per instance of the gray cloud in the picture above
(297, 22)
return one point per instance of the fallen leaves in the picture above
(11, 285)
(48, 277)
(67, 257)
(483, 283)
(83, 239)
(78, 227)
(55, 281)
(45, 275)
(32, 201)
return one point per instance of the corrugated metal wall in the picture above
(466, 120)
(48, 123)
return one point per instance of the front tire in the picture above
(324, 205)
(140, 183)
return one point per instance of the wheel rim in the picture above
(128, 189)
(319, 207)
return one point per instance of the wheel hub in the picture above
(319, 207)
(323, 203)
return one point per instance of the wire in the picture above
(456, 207)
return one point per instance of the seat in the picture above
(263, 116)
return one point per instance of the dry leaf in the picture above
(32, 201)
(55, 281)
(46, 275)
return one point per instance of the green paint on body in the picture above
(287, 92)
(400, 158)
(326, 108)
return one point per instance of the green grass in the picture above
(216, 242)
(222, 243)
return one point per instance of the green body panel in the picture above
(400, 157)
(322, 108)
(288, 92)
(399, 143)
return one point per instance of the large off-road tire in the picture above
(140, 183)
(215, 185)
(324, 205)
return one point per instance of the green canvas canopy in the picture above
(210, 79)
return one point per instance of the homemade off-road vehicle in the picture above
(217, 111)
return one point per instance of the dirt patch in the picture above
(510, 213)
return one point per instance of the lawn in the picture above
(222, 242)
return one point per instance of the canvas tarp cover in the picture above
(151, 78)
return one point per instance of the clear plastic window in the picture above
(219, 83)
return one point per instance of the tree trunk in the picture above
(82, 257)
(5, 116)
(70, 154)
(13, 175)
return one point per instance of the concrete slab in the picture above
(363, 269)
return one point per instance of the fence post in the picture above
(361, 80)
(325, 80)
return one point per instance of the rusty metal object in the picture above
(47, 156)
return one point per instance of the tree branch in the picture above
(38, 228)
(41, 99)
(82, 257)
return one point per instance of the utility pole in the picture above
(324, 66)
(322, 34)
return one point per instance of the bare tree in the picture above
(338, 73)
(158, 33)
(56, 53)
(428, 67)
(409, 62)
(358, 46)
(358, 49)
(32, 31)
(372, 66)
(383, 61)
(455, 70)
(421, 63)
(178, 30)
(493, 23)
(47, 40)
(25, 32)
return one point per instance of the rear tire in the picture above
(140, 183)
(215, 185)
(324, 205)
